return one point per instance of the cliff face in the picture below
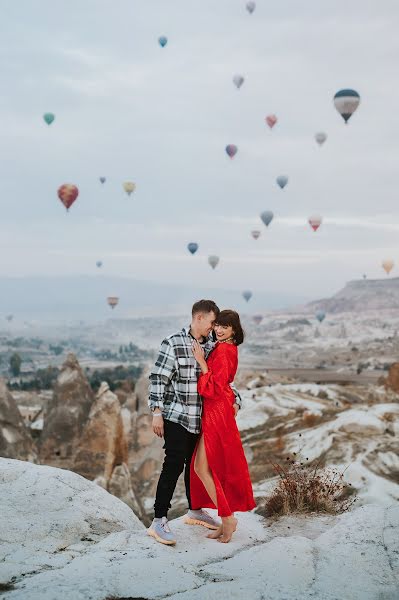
(361, 295)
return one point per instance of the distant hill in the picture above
(84, 297)
(361, 295)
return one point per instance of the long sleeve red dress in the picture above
(222, 440)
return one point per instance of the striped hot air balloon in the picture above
(346, 102)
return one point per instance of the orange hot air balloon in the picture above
(388, 265)
(68, 193)
(271, 120)
(315, 222)
(112, 301)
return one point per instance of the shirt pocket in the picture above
(187, 369)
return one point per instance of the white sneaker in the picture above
(160, 531)
(201, 517)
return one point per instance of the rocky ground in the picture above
(107, 437)
(67, 537)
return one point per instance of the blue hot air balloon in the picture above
(346, 102)
(163, 40)
(247, 295)
(192, 247)
(102, 179)
(320, 316)
(267, 217)
(282, 181)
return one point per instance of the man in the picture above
(177, 408)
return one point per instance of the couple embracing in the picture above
(194, 405)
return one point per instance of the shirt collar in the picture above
(186, 332)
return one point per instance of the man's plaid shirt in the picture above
(173, 381)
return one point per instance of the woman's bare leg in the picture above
(201, 467)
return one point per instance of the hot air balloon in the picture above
(68, 193)
(388, 265)
(250, 6)
(315, 222)
(99, 264)
(255, 234)
(364, 276)
(102, 179)
(238, 80)
(320, 137)
(271, 120)
(163, 40)
(231, 150)
(129, 187)
(267, 217)
(320, 316)
(247, 295)
(112, 301)
(192, 247)
(257, 319)
(49, 118)
(282, 181)
(213, 261)
(346, 102)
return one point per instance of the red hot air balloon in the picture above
(271, 120)
(315, 222)
(68, 193)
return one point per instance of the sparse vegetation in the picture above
(305, 488)
(15, 364)
(118, 377)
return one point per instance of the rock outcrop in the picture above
(392, 380)
(102, 452)
(66, 415)
(15, 440)
(64, 537)
(145, 448)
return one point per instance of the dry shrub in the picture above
(303, 489)
(310, 419)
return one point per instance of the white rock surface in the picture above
(45, 513)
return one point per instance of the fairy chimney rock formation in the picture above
(15, 440)
(102, 445)
(392, 381)
(66, 414)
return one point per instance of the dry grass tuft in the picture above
(304, 489)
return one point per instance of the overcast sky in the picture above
(129, 110)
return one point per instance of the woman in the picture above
(219, 476)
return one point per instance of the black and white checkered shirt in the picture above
(173, 381)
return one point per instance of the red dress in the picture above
(222, 440)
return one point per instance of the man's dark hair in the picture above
(205, 306)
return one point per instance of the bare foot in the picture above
(215, 534)
(229, 527)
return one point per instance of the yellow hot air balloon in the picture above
(129, 187)
(388, 265)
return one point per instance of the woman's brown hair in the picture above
(232, 318)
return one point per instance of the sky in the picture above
(128, 109)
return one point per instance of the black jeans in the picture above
(179, 447)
